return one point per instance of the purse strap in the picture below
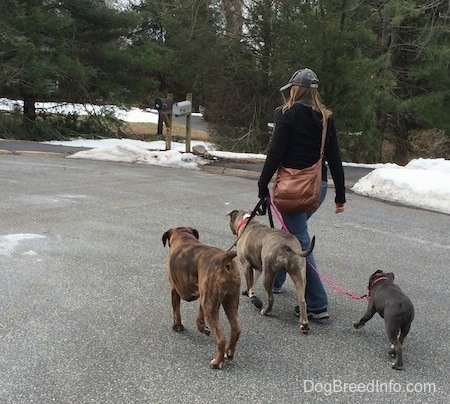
(324, 135)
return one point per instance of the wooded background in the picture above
(383, 66)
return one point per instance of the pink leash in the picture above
(322, 276)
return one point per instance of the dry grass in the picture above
(431, 143)
(146, 131)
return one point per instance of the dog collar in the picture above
(187, 232)
(380, 278)
(243, 222)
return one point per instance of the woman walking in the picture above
(296, 144)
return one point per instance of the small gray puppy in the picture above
(387, 299)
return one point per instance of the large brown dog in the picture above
(262, 248)
(200, 271)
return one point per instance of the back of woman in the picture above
(296, 143)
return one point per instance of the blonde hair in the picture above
(311, 95)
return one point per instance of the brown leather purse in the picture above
(297, 190)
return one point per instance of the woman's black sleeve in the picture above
(277, 149)
(333, 157)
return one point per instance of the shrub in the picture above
(431, 143)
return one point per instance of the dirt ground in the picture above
(148, 131)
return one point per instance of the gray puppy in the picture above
(387, 299)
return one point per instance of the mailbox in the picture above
(163, 104)
(182, 108)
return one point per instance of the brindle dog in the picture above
(269, 250)
(200, 271)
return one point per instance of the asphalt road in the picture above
(85, 313)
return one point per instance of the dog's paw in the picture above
(229, 355)
(392, 352)
(216, 364)
(204, 329)
(358, 325)
(304, 328)
(397, 366)
(178, 327)
(265, 312)
(256, 302)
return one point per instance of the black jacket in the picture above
(296, 144)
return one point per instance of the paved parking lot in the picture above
(85, 312)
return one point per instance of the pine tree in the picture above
(72, 51)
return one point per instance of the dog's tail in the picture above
(227, 257)
(310, 247)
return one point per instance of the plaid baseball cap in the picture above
(303, 78)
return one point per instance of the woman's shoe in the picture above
(314, 315)
(256, 302)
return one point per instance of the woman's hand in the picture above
(263, 191)
(340, 207)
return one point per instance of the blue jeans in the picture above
(316, 297)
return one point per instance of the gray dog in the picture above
(262, 248)
(387, 299)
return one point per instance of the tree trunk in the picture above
(343, 16)
(29, 108)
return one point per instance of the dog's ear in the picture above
(373, 277)
(165, 237)
(375, 274)
(233, 214)
(194, 232)
(391, 276)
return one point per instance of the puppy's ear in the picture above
(195, 233)
(373, 277)
(165, 237)
(391, 276)
(375, 274)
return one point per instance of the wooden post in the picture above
(168, 122)
(188, 125)
(159, 130)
